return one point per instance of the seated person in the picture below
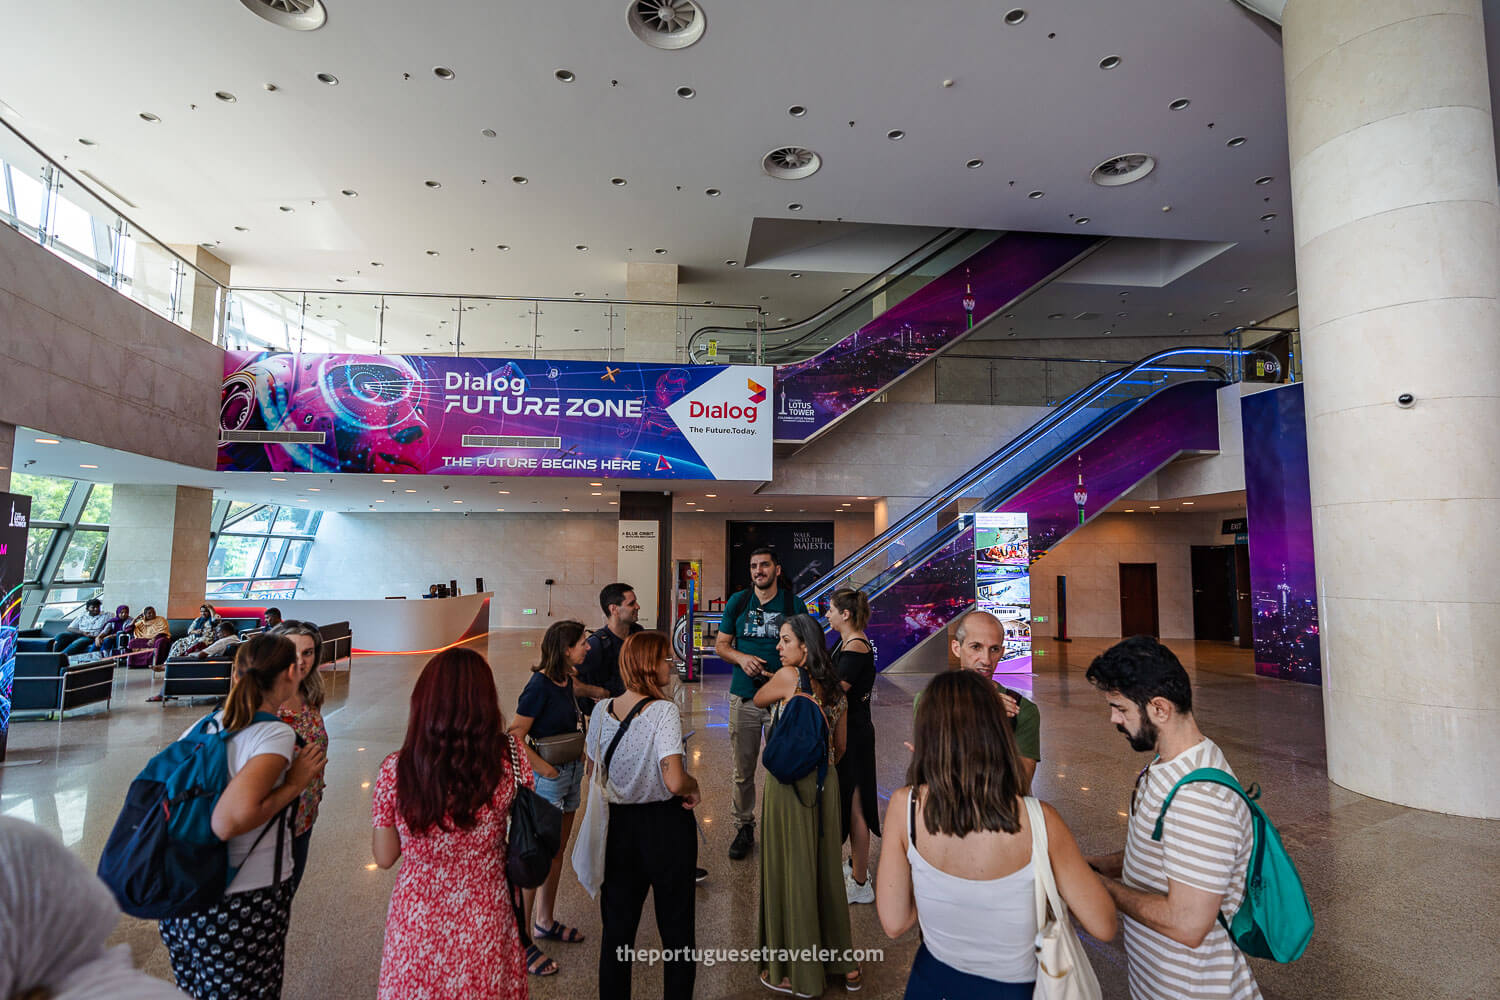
(273, 618)
(85, 628)
(117, 633)
(222, 647)
(203, 629)
(149, 625)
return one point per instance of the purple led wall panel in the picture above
(815, 392)
(1177, 420)
(1278, 497)
(15, 513)
(442, 415)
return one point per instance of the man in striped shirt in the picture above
(1172, 891)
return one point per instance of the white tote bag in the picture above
(588, 847)
(1063, 971)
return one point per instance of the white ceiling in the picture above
(1029, 100)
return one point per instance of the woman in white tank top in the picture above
(957, 853)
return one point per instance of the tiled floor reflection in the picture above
(1404, 899)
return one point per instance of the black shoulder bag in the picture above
(534, 831)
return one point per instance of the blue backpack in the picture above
(798, 744)
(163, 858)
(1275, 920)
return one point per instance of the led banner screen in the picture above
(495, 417)
(17, 514)
(1002, 583)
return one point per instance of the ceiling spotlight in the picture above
(1034, 195)
(1054, 315)
(432, 185)
(47, 441)
(1268, 217)
(411, 491)
(618, 182)
(565, 75)
(1213, 315)
(796, 111)
(1015, 16)
(518, 179)
(242, 229)
(87, 142)
(895, 135)
(1166, 208)
(147, 116)
(286, 208)
(974, 164)
(1246, 288)
(1236, 142)
(659, 251)
(795, 274)
(1109, 62)
(349, 193)
(1180, 104)
(502, 247)
(580, 248)
(686, 93)
(1263, 181)
(329, 79)
(376, 263)
(713, 192)
(488, 133)
(433, 253)
(1082, 220)
(795, 206)
(225, 96)
(315, 489)
(731, 263)
(443, 73)
(578, 295)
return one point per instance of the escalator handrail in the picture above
(940, 243)
(1010, 449)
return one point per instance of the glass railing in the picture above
(908, 542)
(735, 344)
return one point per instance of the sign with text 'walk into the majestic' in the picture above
(417, 414)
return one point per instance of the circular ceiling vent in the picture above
(1125, 169)
(664, 24)
(791, 163)
(299, 15)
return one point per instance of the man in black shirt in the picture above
(599, 674)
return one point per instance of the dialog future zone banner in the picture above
(495, 416)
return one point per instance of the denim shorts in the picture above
(562, 791)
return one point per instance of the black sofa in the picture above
(45, 682)
(192, 678)
(338, 641)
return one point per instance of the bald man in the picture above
(979, 643)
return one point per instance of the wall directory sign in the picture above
(17, 514)
(1002, 583)
(442, 415)
(637, 565)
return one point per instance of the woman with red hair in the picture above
(441, 803)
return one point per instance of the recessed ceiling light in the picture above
(618, 182)
(1179, 104)
(458, 501)
(436, 509)
(500, 509)
(270, 88)
(769, 509)
(861, 498)
(1082, 220)
(329, 79)
(1156, 506)
(380, 501)
(1015, 16)
(686, 93)
(411, 491)
(895, 135)
(87, 142)
(1263, 181)
(315, 489)
(795, 206)
(1213, 315)
(433, 253)
(1246, 288)
(690, 503)
(712, 496)
(1166, 208)
(242, 229)
(488, 133)
(286, 208)
(225, 96)
(88, 466)
(731, 263)
(567, 510)
(795, 274)
(659, 250)
(565, 75)
(1187, 503)
(796, 111)
(1109, 62)
(349, 193)
(387, 480)
(1034, 195)
(1130, 510)
(278, 479)
(1268, 217)
(1054, 315)
(443, 73)
(578, 294)
(581, 248)
(376, 263)
(518, 179)
(302, 499)
(1236, 142)
(974, 164)
(147, 116)
(434, 185)
(713, 192)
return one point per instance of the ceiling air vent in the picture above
(791, 163)
(1125, 169)
(664, 24)
(299, 15)
(510, 441)
(273, 437)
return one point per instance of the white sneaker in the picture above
(848, 869)
(857, 893)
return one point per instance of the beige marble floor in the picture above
(1404, 899)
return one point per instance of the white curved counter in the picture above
(386, 626)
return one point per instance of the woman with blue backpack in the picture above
(235, 947)
(803, 904)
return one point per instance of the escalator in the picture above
(1088, 452)
(830, 364)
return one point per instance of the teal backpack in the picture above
(1275, 921)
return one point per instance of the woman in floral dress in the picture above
(441, 806)
(303, 711)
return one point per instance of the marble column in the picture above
(1397, 227)
(651, 331)
(158, 548)
(7, 454)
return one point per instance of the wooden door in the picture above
(1138, 606)
(1243, 608)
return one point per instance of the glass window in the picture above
(49, 495)
(271, 557)
(234, 555)
(296, 558)
(235, 510)
(226, 590)
(251, 519)
(298, 521)
(38, 541)
(101, 500)
(82, 557)
(29, 194)
(273, 589)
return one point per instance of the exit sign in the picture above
(1234, 526)
(528, 611)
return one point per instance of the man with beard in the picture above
(1172, 891)
(599, 673)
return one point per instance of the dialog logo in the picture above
(757, 391)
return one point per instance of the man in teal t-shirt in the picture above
(748, 630)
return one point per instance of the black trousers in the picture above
(652, 846)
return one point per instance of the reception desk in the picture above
(387, 626)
